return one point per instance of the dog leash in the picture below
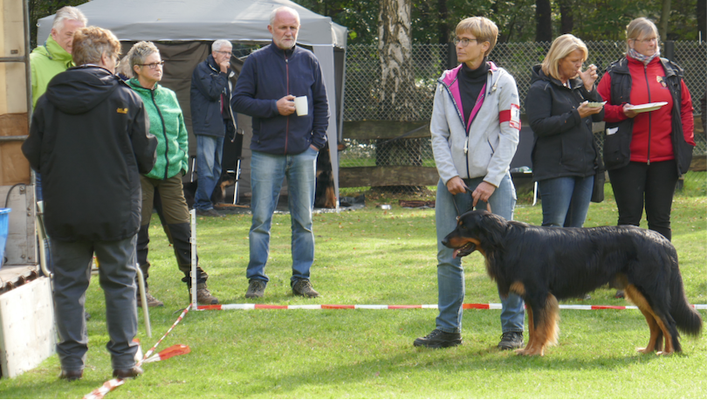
(467, 190)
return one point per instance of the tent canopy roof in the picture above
(189, 20)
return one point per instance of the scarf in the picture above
(640, 57)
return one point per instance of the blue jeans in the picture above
(450, 273)
(267, 172)
(565, 200)
(209, 153)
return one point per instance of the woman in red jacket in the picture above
(649, 128)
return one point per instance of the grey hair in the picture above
(68, 13)
(139, 52)
(291, 10)
(217, 45)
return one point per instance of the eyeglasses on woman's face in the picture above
(464, 41)
(153, 65)
(647, 40)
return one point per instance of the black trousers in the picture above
(651, 184)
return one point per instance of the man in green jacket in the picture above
(54, 56)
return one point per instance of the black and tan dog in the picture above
(544, 264)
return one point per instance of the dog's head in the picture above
(475, 230)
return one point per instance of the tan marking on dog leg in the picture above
(546, 331)
(518, 288)
(633, 294)
(531, 332)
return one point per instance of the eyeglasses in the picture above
(153, 65)
(223, 52)
(464, 41)
(646, 41)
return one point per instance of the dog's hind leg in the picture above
(544, 329)
(659, 328)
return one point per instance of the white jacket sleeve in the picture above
(440, 132)
(509, 120)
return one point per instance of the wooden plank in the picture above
(371, 130)
(27, 333)
(388, 176)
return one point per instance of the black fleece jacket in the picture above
(564, 144)
(89, 139)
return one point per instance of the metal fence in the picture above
(363, 78)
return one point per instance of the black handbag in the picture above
(598, 190)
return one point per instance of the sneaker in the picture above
(256, 289)
(151, 300)
(127, 373)
(203, 295)
(304, 288)
(438, 339)
(511, 340)
(619, 294)
(208, 213)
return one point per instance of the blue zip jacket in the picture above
(270, 74)
(208, 86)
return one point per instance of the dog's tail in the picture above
(686, 317)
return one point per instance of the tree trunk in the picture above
(396, 101)
(443, 25)
(701, 12)
(566, 16)
(665, 19)
(543, 21)
(395, 54)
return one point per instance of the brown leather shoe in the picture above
(127, 373)
(71, 375)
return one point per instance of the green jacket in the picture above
(46, 62)
(167, 124)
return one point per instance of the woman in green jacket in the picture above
(162, 186)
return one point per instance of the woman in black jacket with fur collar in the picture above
(564, 155)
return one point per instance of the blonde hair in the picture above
(482, 28)
(123, 67)
(139, 52)
(640, 26)
(93, 42)
(561, 48)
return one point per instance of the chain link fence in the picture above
(363, 86)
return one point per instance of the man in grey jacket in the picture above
(475, 126)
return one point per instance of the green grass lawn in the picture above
(376, 256)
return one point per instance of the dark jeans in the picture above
(653, 185)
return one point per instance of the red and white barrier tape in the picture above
(181, 316)
(467, 306)
(114, 383)
(107, 387)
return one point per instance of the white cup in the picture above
(301, 105)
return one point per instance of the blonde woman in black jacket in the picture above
(564, 154)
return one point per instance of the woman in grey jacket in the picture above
(475, 125)
(564, 155)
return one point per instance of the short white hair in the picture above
(217, 45)
(291, 10)
(68, 13)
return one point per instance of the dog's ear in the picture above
(492, 226)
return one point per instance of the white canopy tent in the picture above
(171, 21)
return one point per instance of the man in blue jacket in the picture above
(212, 118)
(284, 144)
